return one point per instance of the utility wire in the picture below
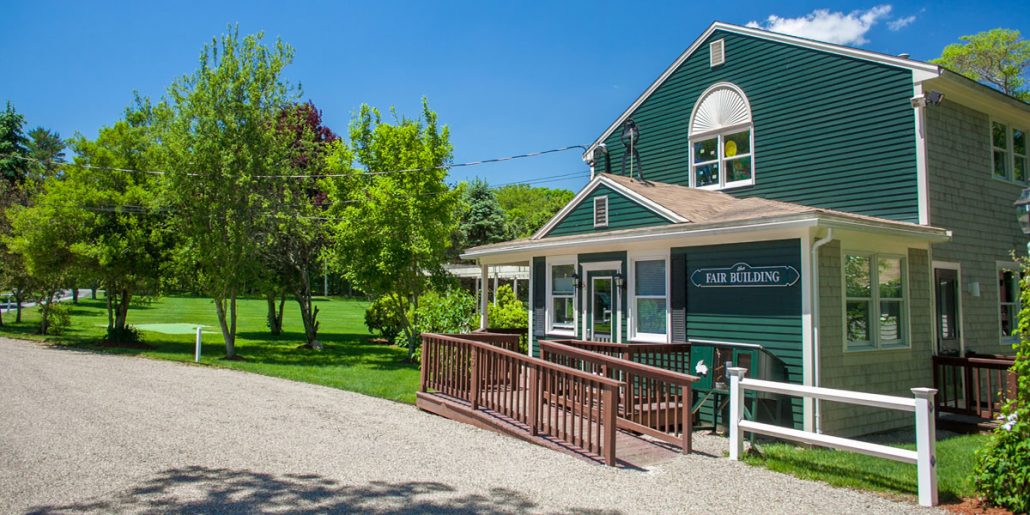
(319, 176)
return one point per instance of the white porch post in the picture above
(484, 318)
(495, 287)
(515, 287)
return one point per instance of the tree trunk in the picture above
(44, 304)
(275, 316)
(93, 293)
(17, 306)
(110, 314)
(122, 315)
(228, 335)
(308, 312)
(75, 294)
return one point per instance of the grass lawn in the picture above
(840, 468)
(349, 362)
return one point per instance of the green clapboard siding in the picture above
(623, 213)
(768, 316)
(830, 131)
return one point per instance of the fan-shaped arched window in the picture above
(721, 139)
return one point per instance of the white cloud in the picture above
(832, 27)
(900, 23)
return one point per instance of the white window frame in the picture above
(584, 293)
(874, 342)
(720, 136)
(553, 261)
(603, 198)
(631, 292)
(1003, 266)
(1010, 152)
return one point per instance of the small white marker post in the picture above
(196, 356)
(736, 411)
(926, 444)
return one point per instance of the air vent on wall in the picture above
(717, 51)
(601, 211)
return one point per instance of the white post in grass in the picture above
(736, 412)
(196, 355)
(926, 440)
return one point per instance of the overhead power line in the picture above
(320, 176)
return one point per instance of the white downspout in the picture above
(815, 319)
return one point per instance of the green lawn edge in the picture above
(351, 360)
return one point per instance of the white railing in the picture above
(922, 404)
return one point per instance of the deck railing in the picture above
(507, 341)
(652, 400)
(668, 356)
(973, 386)
(568, 405)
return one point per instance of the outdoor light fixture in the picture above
(1023, 210)
(630, 138)
(619, 280)
(930, 98)
(576, 281)
(601, 152)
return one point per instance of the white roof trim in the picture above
(618, 188)
(797, 221)
(921, 71)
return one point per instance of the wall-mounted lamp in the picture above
(619, 280)
(930, 98)
(577, 281)
(973, 288)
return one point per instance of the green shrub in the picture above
(129, 334)
(453, 311)
(1002, 471)
(383, 317)
(508, 312)
(59, 318)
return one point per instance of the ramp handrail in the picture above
(568, 405)
(652, 400)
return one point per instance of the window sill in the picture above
(1020, 184)
(649, 338)
(870, 348)
(561, 333)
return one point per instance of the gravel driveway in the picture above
(102, 433)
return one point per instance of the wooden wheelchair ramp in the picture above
(477, 379)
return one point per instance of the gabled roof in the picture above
(921, 70)
(704, 210)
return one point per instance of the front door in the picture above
(602, 309)
(949, 341)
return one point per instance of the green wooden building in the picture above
(825, 215)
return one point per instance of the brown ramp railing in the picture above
(652, 400)
(973, 386)
(668, 356)
(567, 405)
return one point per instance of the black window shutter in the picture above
(678, 297)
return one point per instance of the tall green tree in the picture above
(219, 140)
(13, 151)
(297, 233)
(396, 213)
(482, 219)
(122, 242)
(46, 148)
(527, 209)
(997, 57)
(13, 169)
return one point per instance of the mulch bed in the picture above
(972, 505)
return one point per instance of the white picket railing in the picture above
(924, 457)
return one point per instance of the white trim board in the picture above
(616, 187)
(920, 71)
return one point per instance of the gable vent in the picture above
(601, 211)
(717, 51)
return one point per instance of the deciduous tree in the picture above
(219, 143)
(396, 213)
(997, 57)
(527, 209)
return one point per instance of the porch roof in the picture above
(705, 211)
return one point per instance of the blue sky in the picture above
(507, 77)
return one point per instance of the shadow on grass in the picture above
(847, 476)
(220, 490)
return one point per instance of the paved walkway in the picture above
(104, 433)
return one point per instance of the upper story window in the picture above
(1009, 151)
(721, 139)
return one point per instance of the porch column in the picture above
(515, 287)
(484, 318)
(495, 286)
